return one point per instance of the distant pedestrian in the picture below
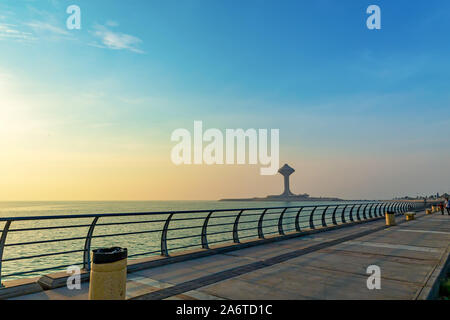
(441, 207)
(447, 206)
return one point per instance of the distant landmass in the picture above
(287, 195)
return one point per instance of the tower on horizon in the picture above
(286, 171)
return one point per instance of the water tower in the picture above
(286, 171)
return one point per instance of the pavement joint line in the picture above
(161, 284)
(364, 275)
(198, 295)
(150, 282)
(423, 231)
(353, 253)
(237, 271)
(202, 295)
(391, 246)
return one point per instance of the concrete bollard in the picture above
(108, 274)
(390, 218)
(410, 216)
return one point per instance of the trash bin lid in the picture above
(108, 255)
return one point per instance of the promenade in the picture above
(323, 265)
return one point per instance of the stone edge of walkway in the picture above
(431, 289)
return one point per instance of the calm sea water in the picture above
(141, 245)
(14, 209)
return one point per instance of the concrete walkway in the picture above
(326, 265)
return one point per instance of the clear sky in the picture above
(88, 114)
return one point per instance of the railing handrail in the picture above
(262, 221)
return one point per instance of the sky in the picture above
(88, 114)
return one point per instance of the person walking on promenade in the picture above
(441, 207)
(447, 206)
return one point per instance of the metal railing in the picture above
(201, 229)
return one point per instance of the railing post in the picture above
(297, 220)
(311, 218)
(204, 231)
(370, 210)
(351, 213)
(385, 208)
(87, 246)
(2, 246)
(343, 214)
(357, 213)
(235, 227)
(333, 216)
(260, 225)
(391, 207)
(364, 212)
(280, 223)
(164, 250)
(373, 211)
(324, 222)
(378, 210)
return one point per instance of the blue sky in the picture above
(137, 70)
